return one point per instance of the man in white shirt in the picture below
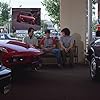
(30, 38)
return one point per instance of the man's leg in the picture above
(71, 54)
(63, 54)
(57, 54)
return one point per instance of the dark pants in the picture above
(70, 54)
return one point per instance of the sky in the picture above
(32, 4)
(28, 4)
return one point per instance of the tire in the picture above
(93, 69)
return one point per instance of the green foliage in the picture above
(4, 13)
(53, 9)
(94, 1)
(94, 21)
(94, 25)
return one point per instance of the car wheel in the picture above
(93, 69)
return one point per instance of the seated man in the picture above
(48, 45)
(67, 44)
(30, 38)
(32, 41)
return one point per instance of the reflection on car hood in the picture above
(17, 46)
(4, 71)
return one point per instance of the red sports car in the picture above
(19, 54)
(26, 17)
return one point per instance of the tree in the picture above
(94, 21)
(53, 9)
(94, 25)
(4, 13)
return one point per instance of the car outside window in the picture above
(2, 37)
(97, 43)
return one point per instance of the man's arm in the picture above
(71, 45)
(61, 45)
(36, 44)
(42, 43)
(53, 45)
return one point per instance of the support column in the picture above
(73, 16)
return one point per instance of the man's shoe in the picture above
(40, 65)
(36, 69)
(60, 66)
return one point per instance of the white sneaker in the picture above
(40, 65)
(59, 65)
(35, 69)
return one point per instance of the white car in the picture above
(6, 36)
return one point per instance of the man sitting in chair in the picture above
(48, 45)
(67, 44)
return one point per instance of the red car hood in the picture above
(17, 46)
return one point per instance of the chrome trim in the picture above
(97, 57)
(4, 77)
(35, 62)
(98, 66)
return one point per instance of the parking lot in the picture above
(53, 83)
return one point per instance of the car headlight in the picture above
(3, 50)
(16, 59)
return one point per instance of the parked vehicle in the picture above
(93, 56)
(26, 17)
(5, 36)
(19, 54)
(5, 76)
(5, 79)
(39, 34)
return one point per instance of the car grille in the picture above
(16, 59)
(23, 59)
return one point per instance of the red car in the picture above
(5, 75)
(26, 17)
(19, 54)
